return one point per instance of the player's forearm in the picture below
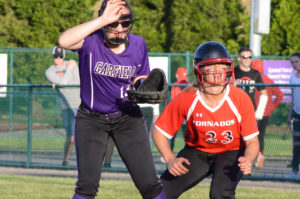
(252, 149)
(73, 38)
(162, 145)
(262, 103)
(52, 77)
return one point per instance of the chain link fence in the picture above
(32, 133)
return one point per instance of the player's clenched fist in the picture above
(245, 165)
(176, 166)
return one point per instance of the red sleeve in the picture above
(171, 119)
(248, 125)
(273, 91)
(279, 96)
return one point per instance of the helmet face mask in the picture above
(213, 53)
(110, 32)
(222, 76)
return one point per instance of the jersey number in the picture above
(227, 137)
(124, 89)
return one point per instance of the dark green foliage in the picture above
(177, 26)
(284, 37)
(280, 114)
(148, 23)
(199, 21)
(166, 25)
(38, 23)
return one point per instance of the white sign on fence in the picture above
(3, 74)
(161, 63)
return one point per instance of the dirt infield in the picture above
(125, 176)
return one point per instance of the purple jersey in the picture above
(105, 77)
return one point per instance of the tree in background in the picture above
(38, 23)
(177, 26)
(148, 23)
(284, 37)
(166, 25)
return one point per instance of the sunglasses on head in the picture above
(246, 57)
(56, 56)
(124, 24)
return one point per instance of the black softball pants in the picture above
(224, 169)
(132, 141)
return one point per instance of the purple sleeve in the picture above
(145, 68)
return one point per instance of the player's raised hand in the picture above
(245, 165)
(71, 63)
(176, 166)
(113, 11)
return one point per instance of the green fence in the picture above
(32, 134)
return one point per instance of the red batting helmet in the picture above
(209, 53)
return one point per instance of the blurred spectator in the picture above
(275, 96)
(244, 74)
(181, 76)
(65, 73)
(294, 115)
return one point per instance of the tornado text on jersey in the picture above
(214, 123)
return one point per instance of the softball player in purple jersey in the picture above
(110, 61)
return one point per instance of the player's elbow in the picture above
(62, 42)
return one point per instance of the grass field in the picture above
(29, 187)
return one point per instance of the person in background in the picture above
(275, 96)
(244, 74)
(222, 135)
(181, 76)
(64, 72)
(294, 115)
(112, 61)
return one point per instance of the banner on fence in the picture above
(280, 72)
(3, 74)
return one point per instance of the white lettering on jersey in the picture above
(124, 72)
(214, 123)
(249, 89)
